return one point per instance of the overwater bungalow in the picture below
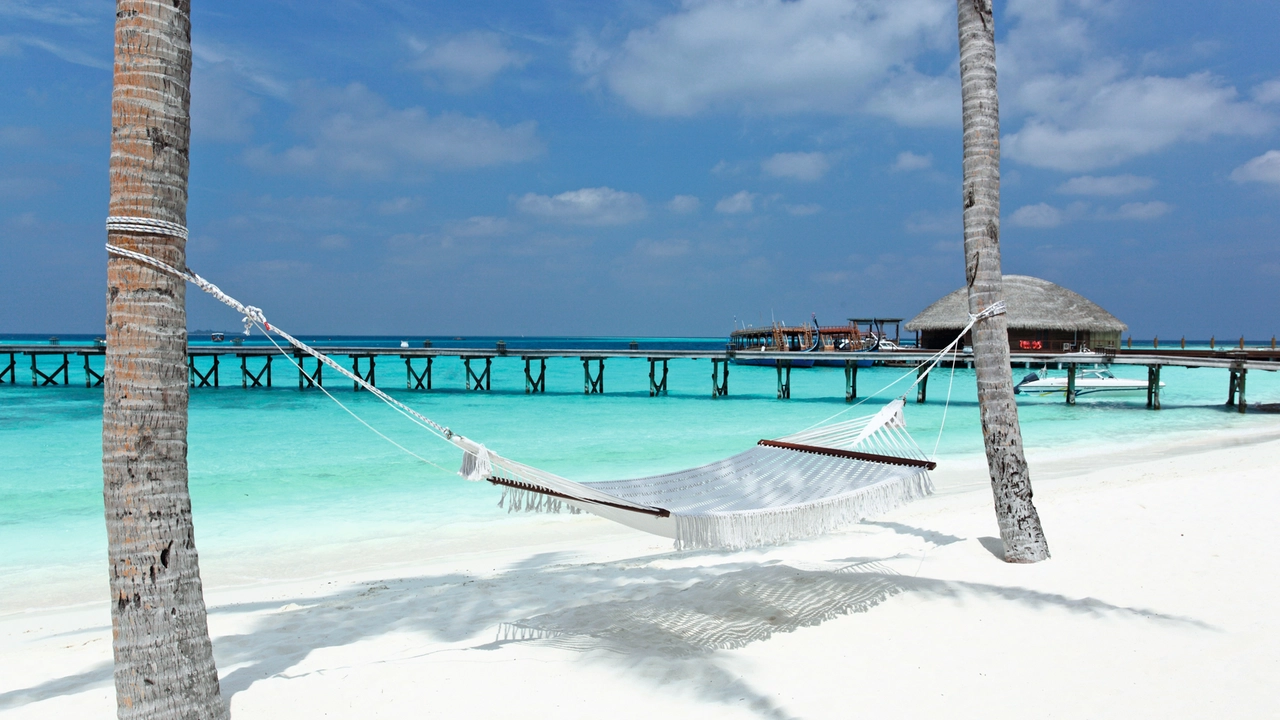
(1041, 316)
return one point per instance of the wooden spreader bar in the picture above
(869, 457)
(656, 512)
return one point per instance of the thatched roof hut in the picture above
(1041, 315)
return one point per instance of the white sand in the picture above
(1160, 601)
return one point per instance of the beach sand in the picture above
(1159, 602)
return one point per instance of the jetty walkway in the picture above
(50, 365)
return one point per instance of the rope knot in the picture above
(253, 315)
(991, 311)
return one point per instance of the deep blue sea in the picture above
(274, 470)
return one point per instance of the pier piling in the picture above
(1153, 387)
(922, 389)
(367, 377)
(415, 380)
(719, 386)
(532, 384)
(208, 378)
(659, 386)
(306, 379)
(850, 380)
(9, 370)
(92, 378)
(248, 378)
(472, 380)
(592, 385)
(38, 376)
(784, 379)
(1242, 406)
(1071, 383)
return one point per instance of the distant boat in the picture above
(1088, 382)
(217, 337)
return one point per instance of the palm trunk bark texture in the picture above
(1010, 479)
(163, 656)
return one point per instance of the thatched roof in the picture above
(1033, 304)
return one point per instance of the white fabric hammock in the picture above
(794, 487)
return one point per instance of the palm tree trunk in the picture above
(1010, 480)
(163, 657)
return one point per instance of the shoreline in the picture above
(1156, 601)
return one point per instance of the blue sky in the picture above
(658, 168)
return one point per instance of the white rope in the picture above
(255, 316)
(145, 226)
(946, 406)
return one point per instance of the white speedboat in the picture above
(1088, 382)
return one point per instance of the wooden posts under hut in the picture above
(474, 381)
(784, 379)
(719, 386)
(355, 368)
(922, 383)
(262, 378)
(659, 386)
(592, 385)
(308, 379)
(197, 379)
(850, 380)
(1071, 383)
(1153, 387)
(532, 384)
(415, 380)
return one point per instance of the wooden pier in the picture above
(50, 365)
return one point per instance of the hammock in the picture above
(785, 489)
(794, 487)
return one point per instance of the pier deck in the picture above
(205, 373)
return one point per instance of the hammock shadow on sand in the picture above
(669, 620)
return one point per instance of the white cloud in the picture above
(353, 131)
(467, 61)
(770, 57)
(55, 13)
(1089, 123)
(1267, 92)
(806, 209)
(740, 202)
(908, 160)
(479, 226)
(1041, 215)
(684, 204)
(805, 166)
(221, 108)
(1142, 211)
(1109, 185)
(1265, 169)
(588, 206)
(13, 44)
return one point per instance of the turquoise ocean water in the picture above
(277, 471)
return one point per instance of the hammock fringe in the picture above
(741, 530)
